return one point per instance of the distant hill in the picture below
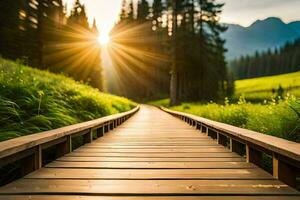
(283, 60)
(261, 35)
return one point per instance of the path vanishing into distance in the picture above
(152, 156)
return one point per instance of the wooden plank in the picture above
(136, 159)
(157, 143)
(158, 139)
(148, 187)
(74, 197)
(150, 174)
(152, 165)
(99, 146)
(156, 155)
(169, 150)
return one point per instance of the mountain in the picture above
(261, 35)
(295, 26)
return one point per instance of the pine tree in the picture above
(11, 28)
(130, 12)
(143, 10)
(157, 11)
(123, 14)
(279, 61)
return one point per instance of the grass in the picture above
(33, 101)
(280, 119)
(265, 88)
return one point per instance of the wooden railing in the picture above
(285, 154)
(29, 149)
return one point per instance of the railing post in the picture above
(39, 157)
(206, 133)
(68, 145)
(33, 161)
(253, 156)
(284, 171)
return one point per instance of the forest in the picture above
(39, 33)
(281, 60)
(171, 46)
(168, 48)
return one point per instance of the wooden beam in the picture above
(284, 171)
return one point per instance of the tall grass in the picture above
(278, 118)
(32, 101)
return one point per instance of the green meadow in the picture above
(266, 88)
(256, 106)
(33, 101)
(280, 119)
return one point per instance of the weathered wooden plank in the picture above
(152, 165)
(150, 174)
(170, 150)
(136, 159)
(157, 155)
(148, 187)
(74, 197)
(156, 143)
(99, 146)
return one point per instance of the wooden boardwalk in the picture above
(152, 156)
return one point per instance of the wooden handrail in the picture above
(285, 154)
(30, 147)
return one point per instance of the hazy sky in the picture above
(242, 12)
(245, 12)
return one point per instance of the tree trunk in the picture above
(174, 73)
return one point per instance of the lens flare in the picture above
(103, 39)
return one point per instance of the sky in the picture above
(243, 12)
(104, 11)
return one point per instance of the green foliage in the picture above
(266, 88)
(32, 101)
(279, 119)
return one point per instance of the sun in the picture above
(103, 39)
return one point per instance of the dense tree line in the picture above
(39, 33)
(279, 61)
(173, 44)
